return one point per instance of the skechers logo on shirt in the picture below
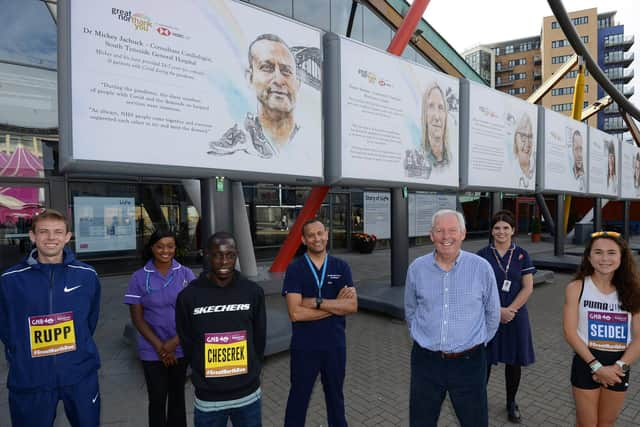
(221, 308)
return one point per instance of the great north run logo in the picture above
(139, 20)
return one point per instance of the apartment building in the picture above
(521, 65)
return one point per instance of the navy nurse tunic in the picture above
(512, 343)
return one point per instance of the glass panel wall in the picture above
(18, 205)
(115, 220)
(313, 12)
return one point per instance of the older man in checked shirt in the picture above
(452, 309)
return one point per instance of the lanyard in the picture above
(504, 270)
(319, 280)
(166, 283)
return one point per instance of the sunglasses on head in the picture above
(606, 233)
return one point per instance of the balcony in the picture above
(626, 42)
(625, 58)
(616, 126)
(537, 75)
(537, 60)
(504, 83)
(628, 91)
(616, 76)
(502, 68)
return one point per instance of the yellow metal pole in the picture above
(576, 114)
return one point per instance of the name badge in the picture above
(225, 354)
(506, 285)
(52, 334)
(608, 331)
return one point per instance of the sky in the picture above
(489, 21)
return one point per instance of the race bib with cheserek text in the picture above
(225, 354)
(52, 334)
(608, 331)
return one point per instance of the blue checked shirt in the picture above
(451, 311)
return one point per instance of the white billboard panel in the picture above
(502, 141)
(218, 87)
(564, 154)
(104, 224)
(630, 172)
(604, 164)
(399, 120)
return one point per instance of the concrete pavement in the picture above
(377, 380)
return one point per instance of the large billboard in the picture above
(630, 171)
(500, 150)
(604, 164)
(206, 88)
(390, 122)
(562, 162)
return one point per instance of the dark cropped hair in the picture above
(311, 221)
(625, 278)
(503, 215)
(219, 237)
(160, 233)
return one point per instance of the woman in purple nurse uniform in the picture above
(151, 297)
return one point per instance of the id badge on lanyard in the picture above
(319, 280)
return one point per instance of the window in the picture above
(566, 90)
(520, 76)
(284, 7)
(517, 91)
(580, 20)
(560, 59)
(509, 49)
(28, 34)
(555, 25)
(585, 39)
(525, 46)
(574, 73)
(340, 12)
(376, 32)
(559, 43)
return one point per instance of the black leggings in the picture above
(512, 374)
(165, 388)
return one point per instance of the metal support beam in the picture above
(352, 17)
(496, 202)
(400, 205)
(293, 240)
(399, 237)
(633, 129)
(596, 107)
(546, 213)
(207, 218)
(551, 81)
(558, 239)
(597, 214)
(626, 219)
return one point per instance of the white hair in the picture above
(444, 212)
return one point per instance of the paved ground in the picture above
(377, 382)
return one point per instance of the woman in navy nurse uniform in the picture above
(512, 344)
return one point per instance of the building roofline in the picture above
(430, 42)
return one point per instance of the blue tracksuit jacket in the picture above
(30, 290)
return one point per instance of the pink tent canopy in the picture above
(16, 202)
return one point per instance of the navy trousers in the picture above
(38, 408)
(305, 366)
(432, 376)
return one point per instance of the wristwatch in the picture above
(318, 302)
(624, 366)
(594, 366)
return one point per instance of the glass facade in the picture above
(125, 210)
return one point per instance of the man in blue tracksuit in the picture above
(49, 306)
